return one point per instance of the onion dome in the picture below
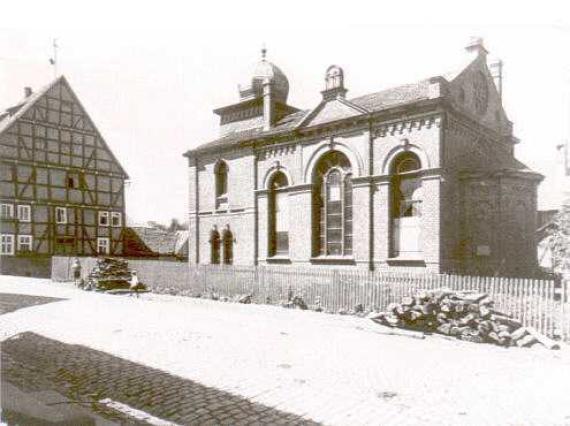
(266, 71)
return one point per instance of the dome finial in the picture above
(263, 52)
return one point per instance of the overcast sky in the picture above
(150, 73)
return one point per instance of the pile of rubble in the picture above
(466, 315)
(109, 274)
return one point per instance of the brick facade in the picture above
(477, 201)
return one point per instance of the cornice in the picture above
(400, 127)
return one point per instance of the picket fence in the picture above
(542, 304)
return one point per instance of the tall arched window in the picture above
(215, 247)
(228, 244)
(278, 215)
(221, 172)
(407, 198)
(332, 206)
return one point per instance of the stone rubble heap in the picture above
(466, 315)
(109, 274)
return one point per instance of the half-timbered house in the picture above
(61, 187)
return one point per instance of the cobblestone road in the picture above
(13, 302)
(32, 362)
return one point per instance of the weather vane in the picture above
(53, 59)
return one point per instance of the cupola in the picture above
(334, 83)
(266, 72)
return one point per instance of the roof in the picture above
(283, 126)
(394, 96)
(11, 114)
(373, 102)
(149, 241)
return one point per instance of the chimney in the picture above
(27, 91)
(267, 104)
(476, 47)
(497, 73)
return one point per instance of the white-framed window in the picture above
(116, 219)
(7, 244)
(60, 215)
(25, 243)
(6, 211)
(103, 245)
(24, 213)
(103, 218)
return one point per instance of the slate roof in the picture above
(285, 125)
(145, 241)
(394, 96)
(373, 102)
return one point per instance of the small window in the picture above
(24, 243)
(221, 171)
(215, 247)
(71, 183)
(278, 215)
(228, 241)
(103, 218)
(7, 244)
(116, 219)
(24, 213)
(60, 215)
(7, 211)
(102, 245)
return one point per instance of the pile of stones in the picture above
(466, 315)
(109, 274)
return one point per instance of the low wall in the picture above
(161, 276)
(26, 266)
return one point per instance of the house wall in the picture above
(239, 214)
(486, 231)
(421, 135)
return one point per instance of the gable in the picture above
(473, 92)
(330, 111)
(53, 127)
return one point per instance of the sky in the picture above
(150, 73)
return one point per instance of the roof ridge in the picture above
(28, 102)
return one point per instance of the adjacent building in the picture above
(61, 187)
(417, 176)
(151, 242)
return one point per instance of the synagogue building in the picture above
(419, 176)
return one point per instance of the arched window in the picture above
(278, 215)
(407, 198)
(334, 77)
(332, 206)
(221, 172)
(215, 247)
(228, 243)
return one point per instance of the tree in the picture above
(175, 225)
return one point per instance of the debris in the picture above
(465, 315)
(246, 299)
(110, 274)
